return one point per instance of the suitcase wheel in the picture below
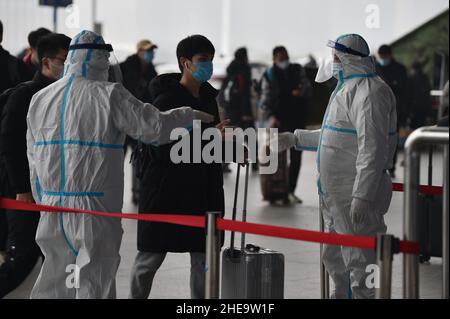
(424, 259)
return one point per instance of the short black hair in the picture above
(279, 49)
(1, 31)
(34, 36)
(49, 45)
(385, 49)
(192, 45)
(241, 54)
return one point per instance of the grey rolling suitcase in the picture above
(251, 272)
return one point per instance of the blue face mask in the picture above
(337, 68)
(61, 70)
(203, 71)
(148, 56)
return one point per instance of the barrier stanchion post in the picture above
(420, 137)
(385, 251)
(445, 237)
(212, 267)
(410, 261)
(324, 277)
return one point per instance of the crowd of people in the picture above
(66, 124)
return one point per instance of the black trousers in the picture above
(3, 231)
(295, 156)
(22, 252)
(294, 169)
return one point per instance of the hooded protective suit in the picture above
(76, 132)
(355, 147)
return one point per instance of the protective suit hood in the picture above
(357, 63)
(354, 64)
(91, 64)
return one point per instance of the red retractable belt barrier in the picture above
(424, 189)
(365, 242)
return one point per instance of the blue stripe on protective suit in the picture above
(339, 129)
(81, 143)
(74, 194)
(38, 190)
(62, 159)
(336, 90)
(356, 76)
(77, 40)
(88, 57)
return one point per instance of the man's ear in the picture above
(44, 63)
(183, 61)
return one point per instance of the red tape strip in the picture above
(424, 189)
(223, 224)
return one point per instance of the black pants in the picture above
(3, 230)
(22, 252)
(295, 156)
(294, 169)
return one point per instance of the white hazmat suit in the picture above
(76, 131)
(355, 148)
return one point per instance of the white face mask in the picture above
(283, 64)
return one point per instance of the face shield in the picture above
(326, 68)
(114, 72)
(104, 58)
(325, 71)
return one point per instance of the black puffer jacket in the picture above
(185, 188)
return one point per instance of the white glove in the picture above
(285, 141)
(202, 116)
(359, 210)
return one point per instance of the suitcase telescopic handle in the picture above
(244, 208)
(233, 217)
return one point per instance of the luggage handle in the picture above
(236, 189)
(244, 209)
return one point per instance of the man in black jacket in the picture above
(31, 59)
(138, 71)
(13, 71)
(419, 98)
(235, 93)
(22, 250)
(286, 90)
(179, 188)
(395, 75)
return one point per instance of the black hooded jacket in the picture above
(238, 84)
(13, 142)
(184, 188)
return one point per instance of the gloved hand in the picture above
(285, 141)
(204, 117)
(359, 210)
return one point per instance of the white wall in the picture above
(303, 26)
